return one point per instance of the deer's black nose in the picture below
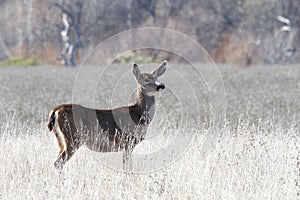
(160, 87)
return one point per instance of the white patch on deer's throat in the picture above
(150, 94)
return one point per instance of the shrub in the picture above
(135, 57)
(17, 61)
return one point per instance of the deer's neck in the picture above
(142, 112)
(145, 103)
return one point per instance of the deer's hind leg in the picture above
(67, 150)
(63, 157)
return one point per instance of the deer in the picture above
(114, 130)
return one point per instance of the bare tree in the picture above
(70, 32)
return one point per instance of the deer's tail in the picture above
(51, 120)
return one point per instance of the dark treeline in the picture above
(242, 32)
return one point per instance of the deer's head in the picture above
(148, 82)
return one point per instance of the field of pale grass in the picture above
(254, 155)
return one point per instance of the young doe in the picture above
(119, 129)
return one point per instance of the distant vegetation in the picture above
(243, 32)
(17, 61)
(135, 57)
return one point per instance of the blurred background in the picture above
(240, 32)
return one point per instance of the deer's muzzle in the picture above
(160, 87)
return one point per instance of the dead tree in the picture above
(291, 31)
(70, 33)
(284, 41)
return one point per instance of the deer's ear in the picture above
(160, 70)
(136, 71)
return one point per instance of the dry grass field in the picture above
(255, 155)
